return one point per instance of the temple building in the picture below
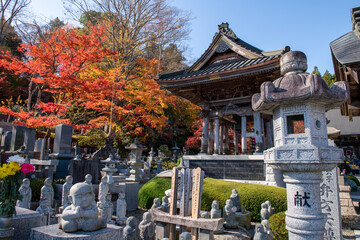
(346, 59)
(222, 82)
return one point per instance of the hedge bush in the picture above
(251, 195)
(277, 225)
(155, 188)
(353, 178)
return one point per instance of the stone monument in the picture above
(298, 102)
(147, 227)
(26, 194)
(82, 214)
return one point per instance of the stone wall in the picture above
(229, 167)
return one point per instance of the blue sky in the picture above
(305, 25)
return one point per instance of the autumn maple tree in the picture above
(54, 69)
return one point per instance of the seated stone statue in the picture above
(82, 214)
(146, 227)
(26, 193)
(260, 233)
(215, 211)
(131, 231)
(235, 198)
(229, 215)
(185, 236)
(156, 204)
(165, 205)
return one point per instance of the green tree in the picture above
(316, 71)
(329, 78)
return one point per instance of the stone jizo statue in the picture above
(267, 229)
(260, 233)
(45, 210)
(26, 194)
(65, 191)
(156, 204)
(270, 208)
(266, 211)
(215, 211)
(235, 198)
(47, 192)
(121, 209)
(103, 189)
(88, 180)
(131, 231)
(165, 206)
(146, 227)
(229, 215)
(82, 214)
(107, 209)
(185, 236)
(205, 215)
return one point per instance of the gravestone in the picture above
(7, 140)
(62, 149)
(37, 147)
(17, 137)
(29, 141)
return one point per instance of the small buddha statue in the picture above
(185, 236)
(271, 210)
(121, 209)
(82, 214)
(260, 233)
(65, 191)
(47, 192)
(26, 194)
(156, 204)
(229, 215)
(45, 210)
(264, 212)
(107, 209)
(235, 198)
(215, 211)
(146, 227)
(165, 205)
(267, 229)
(131, 231)
(88, 180)
(103, 189)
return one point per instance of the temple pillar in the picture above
(243, 135)
(205, 135)
(226, 139)
(221, 139)
(211, 137)
(236, 148)
(216, 137)
(258, 133)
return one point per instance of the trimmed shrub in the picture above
(251, 195)
(277, 225)
(353, 178)
(155, 188)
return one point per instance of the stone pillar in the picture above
(226, 140)
(243, 135)
(236, 147)
(270, 134)
(211, 137)
(258, 133)
(216, 137)
(205, 135)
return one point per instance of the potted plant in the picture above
(10, 182)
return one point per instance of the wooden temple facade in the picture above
(222, 82)
(346, 59)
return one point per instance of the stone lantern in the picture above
(298, 102)
(110, 168)
(135, 160)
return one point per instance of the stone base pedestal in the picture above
(24, 221)
(132, 195)
(238, 234)
(52, 232)
(244, 219)
(7, 234)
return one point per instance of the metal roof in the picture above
(216, 68)
(346, 48)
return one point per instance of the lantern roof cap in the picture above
(135, 145)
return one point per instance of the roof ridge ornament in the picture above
(224, 29)
(355, 19)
